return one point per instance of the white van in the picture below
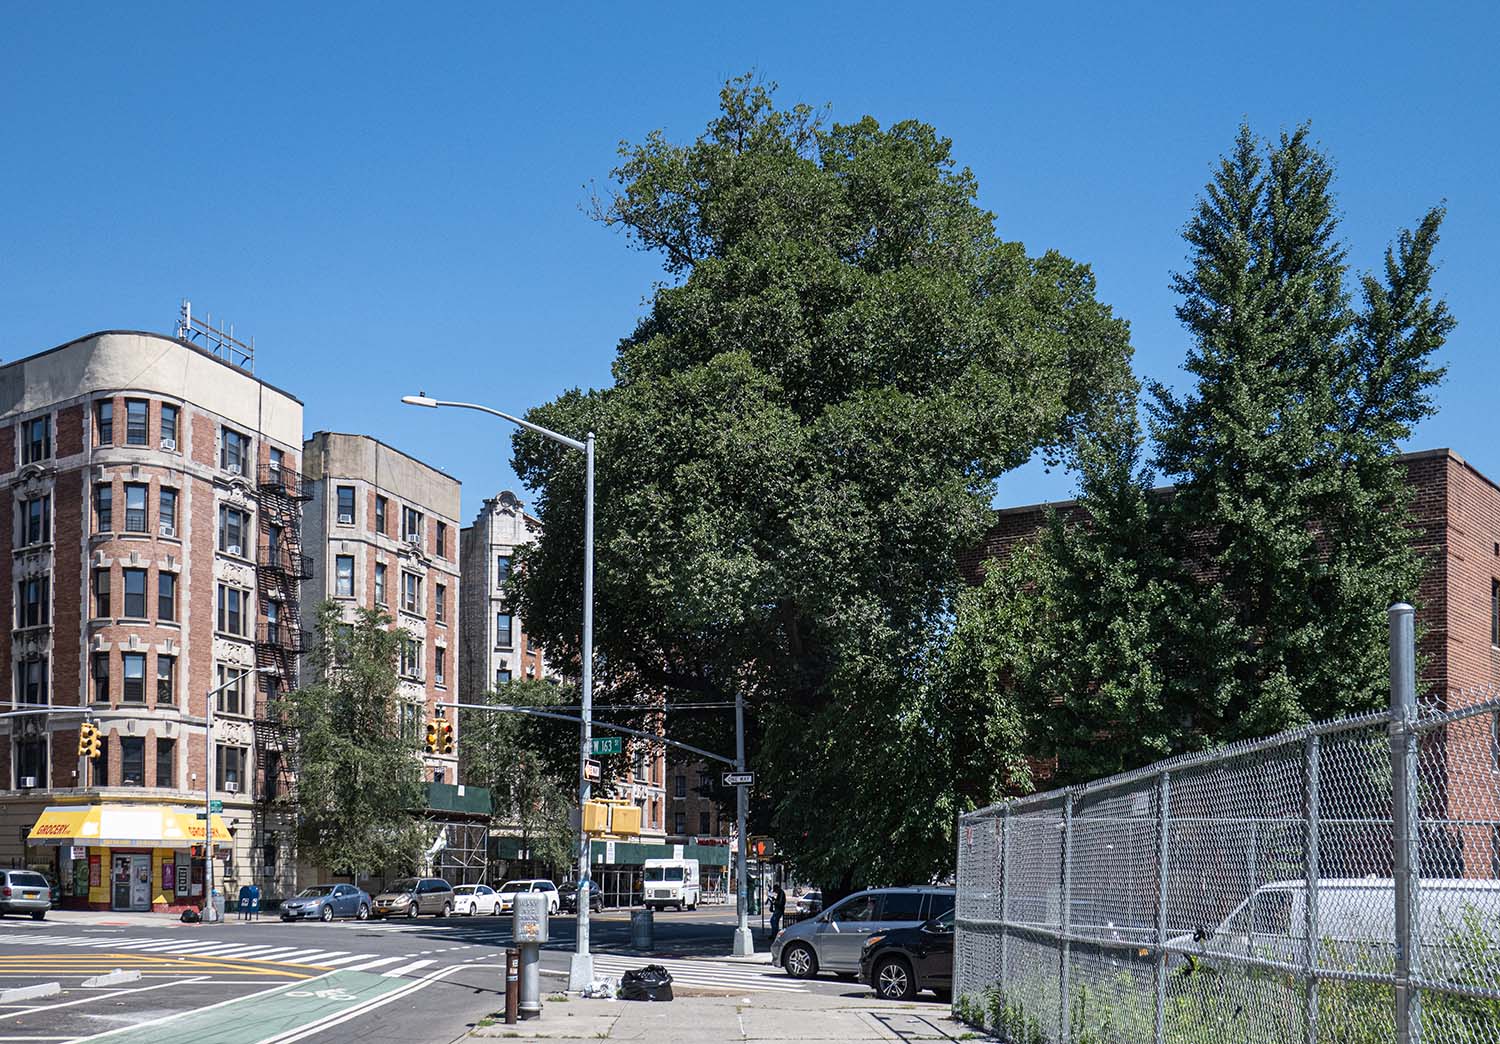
(1356, 921)
(672, 882)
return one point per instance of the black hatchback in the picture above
(900, 962)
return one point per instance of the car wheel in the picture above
(445, 911)
(800, 962)
(894, 980)
(411, 911)
(326, 915)
(39, 915)
(473, 907)
(364, 912)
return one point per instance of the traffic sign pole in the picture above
(744, 944)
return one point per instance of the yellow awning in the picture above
(124, 826)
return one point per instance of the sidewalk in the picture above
(709, 1020)
(137, 919)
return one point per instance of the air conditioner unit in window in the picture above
(346, 520)
(28, 782)
(231, 787)
(169, 444)
(234, 549)
(166, 529)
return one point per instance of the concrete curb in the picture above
(25, 993)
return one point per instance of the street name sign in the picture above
(739, 779)
(604, 745)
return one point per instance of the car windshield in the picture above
(408, 884)
(513, 886)
(316, 890)
(464, 890)
(664, 873)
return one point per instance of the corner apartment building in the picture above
(382, 530)
(495, 648)
(144, 485)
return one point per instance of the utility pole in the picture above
(581, 970)
(744, 943)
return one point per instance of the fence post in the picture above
(1404, 820)
(1163, 793)
(1311, 938)
(1004, 890)
(1065, 920)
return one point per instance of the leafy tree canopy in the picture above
(804, 431)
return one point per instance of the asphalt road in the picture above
(267, 982)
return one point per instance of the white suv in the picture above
(510, 889)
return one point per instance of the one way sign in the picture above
(739, 779)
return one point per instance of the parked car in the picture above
(24, 891)
(324, 902)
(411, 896)
(474, 899)
(672, 882)
(567, 895)
(832, 940)
(808, 903)
(510, 889)
(900, 962)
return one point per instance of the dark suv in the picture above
(902, 961)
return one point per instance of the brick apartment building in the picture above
(144, 487)
(382, 530)
(495, 648)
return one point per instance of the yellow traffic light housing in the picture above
(445, 737)
(431, 743)
(88, 740)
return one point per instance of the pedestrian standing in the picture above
(778, 907)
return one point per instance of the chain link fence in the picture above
(1337, 883)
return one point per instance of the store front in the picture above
(127, 857)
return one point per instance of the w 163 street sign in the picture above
(739, 779)
(604, 745)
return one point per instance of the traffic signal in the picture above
(431, 744)
(445, 737)
(196, 851)
(88, 740)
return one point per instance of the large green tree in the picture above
(359, 765)
(804, 431)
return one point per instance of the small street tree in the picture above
(359, 770)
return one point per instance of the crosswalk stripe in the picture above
(345, 960)
(321, 957)
(407, 969)
(372, 965)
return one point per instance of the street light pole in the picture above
(744, 944)
(581, 972)
(210, 912)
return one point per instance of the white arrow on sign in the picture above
(739, 779)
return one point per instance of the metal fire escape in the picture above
(280, 569)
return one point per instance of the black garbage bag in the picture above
(651, 983)
(191, 916)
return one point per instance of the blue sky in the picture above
(388, 197)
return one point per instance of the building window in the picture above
(380, 584)
(102, 608)
(31, 680)
(439, 665)
(166, 519)
(503, 638)
(411, 592)
(101, 677)
(234, 454)
(502, 676)
(36, 521)
(411, 525)
(1495, 612)
(411, 658)
(166, 763)
(409, 716)
(233, 610)
(31, 602)
(502, 568)
(166, 597)
(703, 822)
(346, 505)
(231, 699)
(135, 593)
(440, 602)
(104, 515)
(442, 540)
(229, 767)
(234, 526)
(31, 763)
(168, 427)
(36, 441)
(104, 422)
(343, 573)
(679, 786)
(132, 761)
(137, 422)
(166, 680)
(679, 823)
(135, 677)
(135, 508)
(380, 509)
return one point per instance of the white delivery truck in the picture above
(672, 882)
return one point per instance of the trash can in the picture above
(218, 902)
(642, 929)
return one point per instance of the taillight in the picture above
(5, 891)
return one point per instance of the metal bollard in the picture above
(529, 929)
(512, 984)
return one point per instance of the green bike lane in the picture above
(281, 1015)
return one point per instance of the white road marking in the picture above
(406, 969)
(372, 965)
